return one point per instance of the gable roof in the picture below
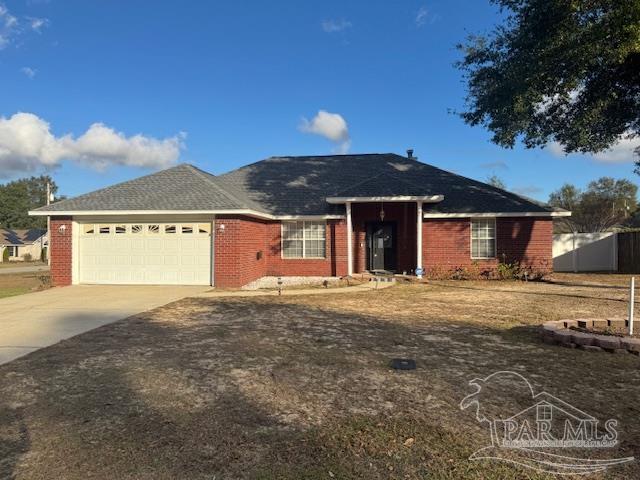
(10, 236)
(181, 188)
(283, 185)
(280, 186)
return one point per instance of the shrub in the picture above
(509, 271)
(43, 255)
(5, 255)
(27, 257)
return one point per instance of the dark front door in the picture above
(381, 246)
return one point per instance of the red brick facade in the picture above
(447, 242)
(60, 250)
(247, 248)
(404, 215)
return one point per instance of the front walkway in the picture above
(365, 287)
(36, 320)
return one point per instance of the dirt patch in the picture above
(300, 387)
(19, 283)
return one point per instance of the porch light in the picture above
(382, 212)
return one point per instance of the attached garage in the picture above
(144, 253)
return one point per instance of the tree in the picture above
(557, 70)
(20, 196)
(604, 204)
(495, 181)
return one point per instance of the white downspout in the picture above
(419, 243)
(349, 241)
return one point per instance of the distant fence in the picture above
(588, 252)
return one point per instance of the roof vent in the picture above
(410, 154)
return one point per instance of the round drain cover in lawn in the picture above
(403, 364)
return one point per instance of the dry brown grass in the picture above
(299, 387)
(19, 283)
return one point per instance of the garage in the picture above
(145, 253)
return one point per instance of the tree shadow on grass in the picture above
(270, 388)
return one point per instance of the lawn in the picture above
(16, 284)
(299, 387)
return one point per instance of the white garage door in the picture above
(144, 253)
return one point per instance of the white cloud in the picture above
(332, 26)
(8, 26)
(329, 125)
(421, 16)
(424, 16)
(38, 23)
(27, 144)
(621, 152)
(11, 27)
(29, 72)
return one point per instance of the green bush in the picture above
(5, 255)
(43, 255)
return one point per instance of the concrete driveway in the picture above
(36, 320)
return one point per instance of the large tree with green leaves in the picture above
(20, 196)
(604, 204)
(557, 70)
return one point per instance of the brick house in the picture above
(293, 216)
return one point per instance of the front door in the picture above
(381, 246)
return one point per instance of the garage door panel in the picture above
(145, 258)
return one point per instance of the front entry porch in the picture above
(381, 246)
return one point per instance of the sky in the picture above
(98, 92)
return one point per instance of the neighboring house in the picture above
(22, 242)
(292, 216)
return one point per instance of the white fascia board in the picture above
(250, 213)
(397, 198)
(497, 214)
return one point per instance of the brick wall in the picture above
(60, 251)
(403, 215)
(237, 251)
(334, 263)
(447, 242)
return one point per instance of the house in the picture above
(292, 216)
(21, 243)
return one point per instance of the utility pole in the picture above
(48, 226)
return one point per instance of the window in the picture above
(136, 229)
(303, 239)
(483, 238)
(187, 229)
(121, 229)
(104, 229)
(13, 251)
(153, 228)
(170, 229)
(204, 228)
(545, 413)
(89, 229)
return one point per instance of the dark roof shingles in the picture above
(300, 186)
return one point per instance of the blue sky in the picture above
(223, 84)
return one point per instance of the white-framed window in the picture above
(13, 251)
(483, 238)
(545, 413)
(304, 239)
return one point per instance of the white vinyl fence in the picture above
(585, 252)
